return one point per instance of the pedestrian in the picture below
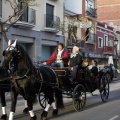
(112, 70)
(59, 57)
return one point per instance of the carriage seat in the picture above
(62, 71)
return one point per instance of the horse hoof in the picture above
(44, 115)
(25, 111)
(3, 117)
(55, 112)
(33, 118)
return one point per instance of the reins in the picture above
(24, 76)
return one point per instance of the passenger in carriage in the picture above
(74, 62)
(94, 70)
(59, 58)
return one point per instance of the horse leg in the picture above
(14, 95)
(55, 110)
(29, 103)
(50, 101)
(3, 104)
(30, 108)
(25, 111)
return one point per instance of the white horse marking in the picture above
(3, 110)
(31, 113)
(54, 105)
(11, 116)
(47, 107)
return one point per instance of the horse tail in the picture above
(59, 98)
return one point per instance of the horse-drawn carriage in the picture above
(29, 81)
(83, 83)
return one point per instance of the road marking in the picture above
(113, 118)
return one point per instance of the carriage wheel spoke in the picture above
(79, 97)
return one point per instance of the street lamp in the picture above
(115, 44)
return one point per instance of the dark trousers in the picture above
(74, 72)
(61, 64)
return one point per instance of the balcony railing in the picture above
(108, 50)
(91, 38)
(28, 18)
(51, 23)
(91, 12)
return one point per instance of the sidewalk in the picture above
(117, 78)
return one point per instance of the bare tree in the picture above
(71, 25)
(15, 16)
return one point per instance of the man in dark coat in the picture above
(74, 62)
(59, 58)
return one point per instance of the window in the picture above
(0, 8)
(90, 3)
(100, 42)
(24, 17)
(105, 40)
(49, 15)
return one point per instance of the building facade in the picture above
(85, 30)
(104, 42)
(35, 29)
(108, 12)
(90, 33)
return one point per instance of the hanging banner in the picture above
(110, 60)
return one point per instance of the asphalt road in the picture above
(94, 109)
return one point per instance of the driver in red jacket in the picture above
(59, 58)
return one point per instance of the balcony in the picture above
(79, 43)
(27, 19)
(91, 39)
(51, 23)
(90, 12)
(108, 50)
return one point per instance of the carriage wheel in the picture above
(79, 97)
(43, 100)
(104, 88)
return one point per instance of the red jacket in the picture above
(64, 57)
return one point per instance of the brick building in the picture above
(104, 42)
(108, 11)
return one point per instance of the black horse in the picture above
(29, 81)
(4, 87)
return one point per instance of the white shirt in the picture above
(59, 55)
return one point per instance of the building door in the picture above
(49, 15)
